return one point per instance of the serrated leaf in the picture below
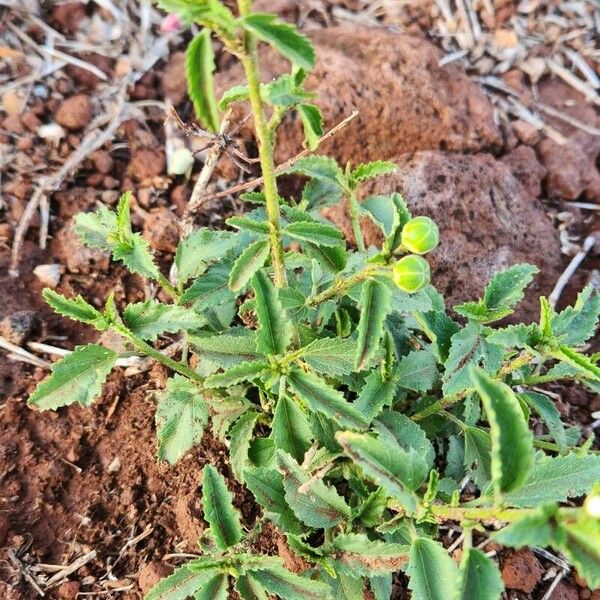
(516, 336)
(227, 349)
(290, 586)
(375, 394)
(275, 329)
(555, 479)
(94, 229)
(575, 325)
(238, 93)
(75, 308)
(580, 362)
(377, 168)
(371, 510)
(136, 255)
(312, 124)
(210, 289)
(216, 588)
(199, 68)
(374, 307)
(319, 234)
(534, 529)
(249, 224)
(285, 91)
(478, 455)
(580, 542)
(248, 589)
(223, 518)
(512, 442)
(248, 263)
(439, 328)
(290, 428)
(332, 259)
(240, 437)
(314, 503)
(318, 193)
(549, 414)
(381, 586)
(247, 371)
(330, 356)
(417, 371)
(318, 167)
(151, 318)
(478, 577)
(345, 586)
(431, 571)
(181, 416)
(78, 377)
(283, 36)
(321, 397)
(182, 584)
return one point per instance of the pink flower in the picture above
(171, 23)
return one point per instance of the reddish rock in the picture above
(524, 165)
(30, 121)
(146, 164)
(68, 590)
(174, 82)
(151, 574)
(21, 326)
(527, 133)
(522, 571)
(102, 162)
(84, 77)
(66, 17)
(161, 229)
(564, 591)
(75, 112)
(13, 124)
(76, 257)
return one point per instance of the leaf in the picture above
(283, 583)
(290, 428)
(555, 479)
(136, 255)
(580, 362)
(318, 193)
(223, 518)
(275, 331)
(370, 512)
(285, 91)
(580, 543)
(439, 328)
(151, 318)
(417, 371)
(330, 356)
(575, 325)
(312, 123)
(320, 397)
(182, 584)
(375, 306)
(432, 572)
(283, 36)
(248, 263)
(534, 529)
(181, 416)
(388, 464)
(549, 414)
(381, 586)
(248, 589)
(319, 167)
(75, 308)
(314, 503)
(240, 436)
(94, 229)
(78, 377)
(238, 93)
(216, 588)
(516, 336)
(227, 349)
(375, 394)
(211, 289)
(332, 259)
(362, 556)
(377, 168)
(512, 442)
(199, 68)
(247, 371)
(478, 456)
(345, 586)
(316, 233)
(248, 224)
(478, 577)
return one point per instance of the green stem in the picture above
(166, 284)
(459, 513)
(265, 150)
(355, 220)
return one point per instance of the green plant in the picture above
(356, 410)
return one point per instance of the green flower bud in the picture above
(411, 273)
(420, 235)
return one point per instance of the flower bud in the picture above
(411, 273)
(180, 162)
(420, 235)
(171, 23)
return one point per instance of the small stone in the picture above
(151, 574)
(115, 465)
(49, 275)
(102, 162)
(67, 17)
(75, 112)
(52, 133)
(506, 38)
(13, 103)
(12, 124)
(25, 143)
(161, 229)
(21, 326)
(68, 590)
(522, 571)
(526, 132)
(6, 232)
(30, 121)
(146, 164)
(95, 179)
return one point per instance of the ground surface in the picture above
(84, 481)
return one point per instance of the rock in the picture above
(180, 196)
(564, 591)
(146, 164)
(52, 133)
(524, 165)
(526, 132)
(161, 229)
(405, 100)
(103, 162)
(151, 574)
(21, 326)
(522, 571)
(174, 82)
(68, 590)
(67, 17)
(75, 112)
(30, 121)
(49, 275)
(487, 222)
(76, 257)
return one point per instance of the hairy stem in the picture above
(492, 514)
(168, 287)
(355, 221)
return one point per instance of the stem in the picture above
(355, 220)
(168, 287)
(458, 513)
(265, 150)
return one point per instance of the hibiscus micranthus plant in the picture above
(358, 410)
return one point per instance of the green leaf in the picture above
(330, 356)
(432, 572)
(275, 331)
(285, 91)
(151, 318)
(283, 583)
(370, 512)
(534, 529)
(375, 394)
(555, 479)
(381, 586)
(318, 193)
(248, 263)
(290, 428)
(78, 377)
(181, 416)
(316, 233)
(247, 371)
(580, 542)
(136, 255)
(75, 308)
(182, 584)
(282, 36)
(211, 289)
(359, 555)
(94, 229)
(215, 588)
(478, 456)
(238, 93)
(375, 305)
(199, 68)
(417, 371)
(240, 436)
(512, 442)
(223, 518)
(549, 414)
(321, 397)
(248, 589)
(332, 259)
(312, 123)
(575, 325)
(318, 167)
(314, 503)
(580, 362)
(345, 586)
(227, 349)
(249, 224)
(478, 577)
(516, 336)
(377, 168)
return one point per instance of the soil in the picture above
(86, 479)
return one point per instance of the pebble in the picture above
(75, 112)
(49, 275)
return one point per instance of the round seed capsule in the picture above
(411, 273)
(420, 235)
